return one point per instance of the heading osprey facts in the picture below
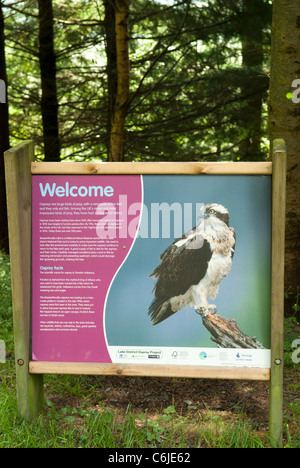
(193, 266)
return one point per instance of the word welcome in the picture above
(2, 92)
(74, 191)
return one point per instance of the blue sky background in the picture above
(243, 295)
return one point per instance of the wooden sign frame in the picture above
(20, 166)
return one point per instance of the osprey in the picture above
(193, 266)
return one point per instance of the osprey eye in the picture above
(211, 211)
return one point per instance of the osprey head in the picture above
(212, 212)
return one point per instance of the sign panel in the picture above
(121, 276)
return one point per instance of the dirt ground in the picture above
(189, 395)
(224, 398)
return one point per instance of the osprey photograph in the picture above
(193, 266)
(212, 260)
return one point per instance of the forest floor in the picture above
(201, 401)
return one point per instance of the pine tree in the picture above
(256, 15)
(49, 104)
(191, 85)
(118, 71)
(200, 79)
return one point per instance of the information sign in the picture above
(149, 269)
(97, 239)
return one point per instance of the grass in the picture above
(82, 427)
(83, 420)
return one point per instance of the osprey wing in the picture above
(183, 264)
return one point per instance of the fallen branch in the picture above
(226, 334)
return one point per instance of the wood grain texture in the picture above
(93, 168)
(277, 296)
(226, 334)
(243, 373)
(18, 190)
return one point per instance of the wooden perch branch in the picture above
(226, 334)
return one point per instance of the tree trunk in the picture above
(284, 117)
(48, 78)
(256, 85)
(118, 69)
(4, 138)
(111, 68)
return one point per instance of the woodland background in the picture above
(153, 80)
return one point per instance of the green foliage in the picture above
(194, 92)
(155, 429)
(6, 326)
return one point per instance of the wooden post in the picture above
(18, 189)
(277, 299)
